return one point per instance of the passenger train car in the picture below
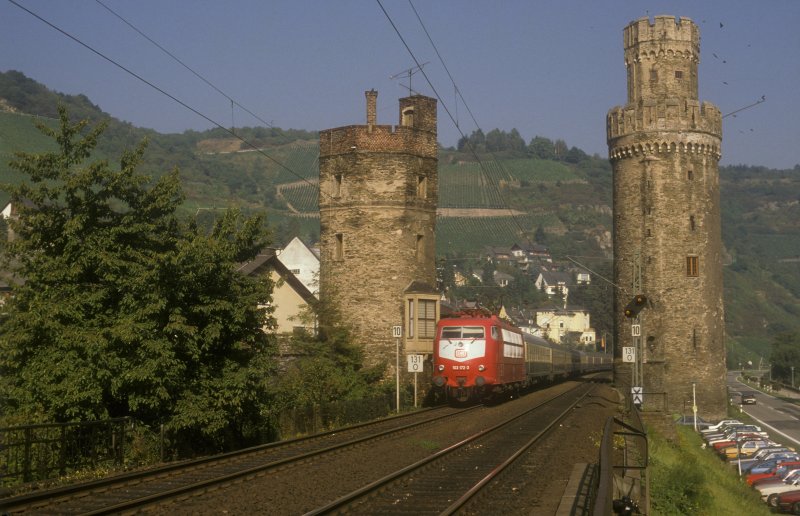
(477, 355)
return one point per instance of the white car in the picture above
(770, 491)
(721, 426)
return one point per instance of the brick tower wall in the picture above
(378, 198)
(664, 147)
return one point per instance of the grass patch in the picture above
(429, 445)
(687, 479)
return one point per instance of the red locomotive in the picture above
(477, 355)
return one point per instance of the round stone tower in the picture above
(378, 197)
(664, 147)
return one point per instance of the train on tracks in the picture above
(478, 356)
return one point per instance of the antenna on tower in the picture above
(408, 73)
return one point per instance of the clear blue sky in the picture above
(546, 68)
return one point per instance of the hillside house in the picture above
(554, 283)
(502, 279)
(559, 325)
(524, 320)
(290, 296)
(517, 256)
(302, 262)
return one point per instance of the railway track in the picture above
(447, 481)
(134, 491)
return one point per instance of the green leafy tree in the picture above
(542, 148)
(328, 365)
(126, 310)
(785, 355)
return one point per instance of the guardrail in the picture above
(44, 451)
(623, 482)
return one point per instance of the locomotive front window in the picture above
(462, 332)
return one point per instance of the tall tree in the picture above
(125, 310)
(785, 356)
(542, 148)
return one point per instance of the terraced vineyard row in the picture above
(301, 159)
(471, 234)
(466, 185)
(303, 197)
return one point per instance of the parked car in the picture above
(769, 454)
(744, 449)
(766, 466)
(722, 425)
(780, 474)
(735, 432)
(770, 490)
(789, 502)
(779, 470)
(748, 398)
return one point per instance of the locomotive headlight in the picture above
(440, 367)
(480, 381)
(481, 367)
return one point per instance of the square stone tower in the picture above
(664, 147)
(378, 199)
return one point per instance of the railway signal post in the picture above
(397, 333)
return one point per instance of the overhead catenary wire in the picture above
(184, 104)
(474, 153)
(167, 94)
(180, 61)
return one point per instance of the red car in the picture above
(789, 502)
(778, 471)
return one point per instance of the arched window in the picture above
(408, 117)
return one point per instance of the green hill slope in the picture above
(505, 201)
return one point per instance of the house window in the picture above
(420, 248)
(421, 318)
(689, 175)
(426, 318)
(692, 266)
(649, 233)
(653, 74)
(691, 222)
(694, 338)
(679, 74)
(338, 252)
(422, 187)
(295, 271)
(337, 185)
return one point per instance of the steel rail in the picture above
(469, 495)
(53, 497)
(375, 486)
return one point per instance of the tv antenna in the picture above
(408, 73)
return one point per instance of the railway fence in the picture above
(624, 474)
(314, 418)
(39, 452)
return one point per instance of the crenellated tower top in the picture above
(661, 58)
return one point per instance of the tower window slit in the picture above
(692, 266)
(338, 252)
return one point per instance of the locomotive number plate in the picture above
(461, 368)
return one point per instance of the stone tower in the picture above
(378, 198)
(664, 147)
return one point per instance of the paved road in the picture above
(778, 417)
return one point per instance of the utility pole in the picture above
(638, 372)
